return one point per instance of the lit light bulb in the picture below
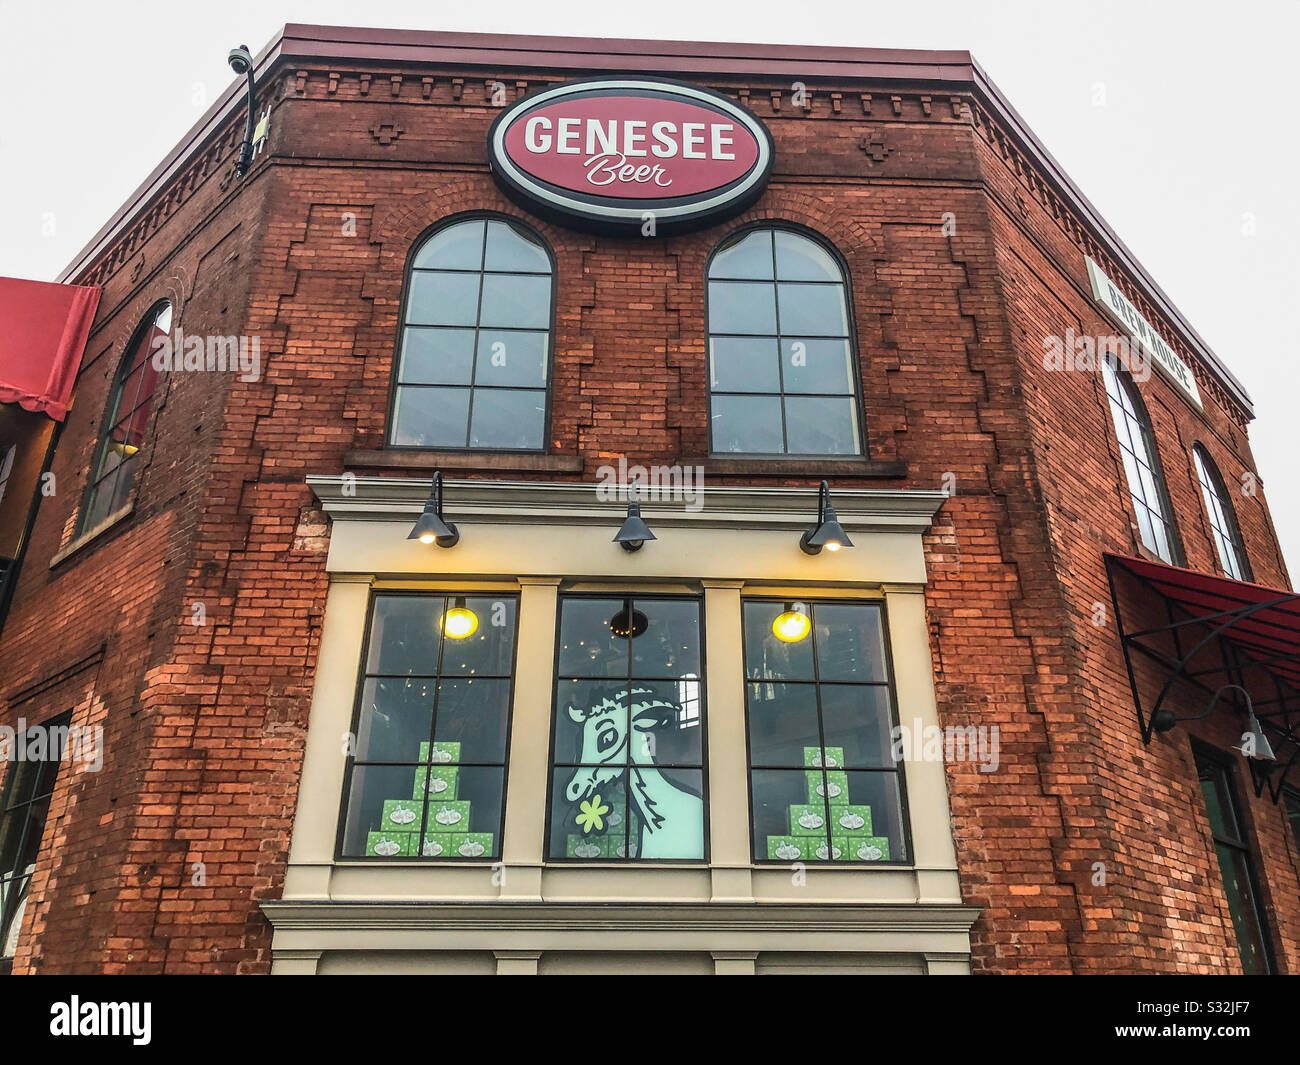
(427, 538)
(791, 626)
(460, 621)
(832, 545)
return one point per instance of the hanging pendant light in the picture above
(829, 533)
(430, 528)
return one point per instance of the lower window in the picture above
(426, 779)
(627, 768)
(1235, 863)
(24, 804)
(824, 784)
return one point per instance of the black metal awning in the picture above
(1217, 635)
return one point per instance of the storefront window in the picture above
(117, 461)
(824, 784)
(627, 778)
(474, 362)
(427, 776)
(1223, 523)
(1146, 484)
(1236, 865)
(781, 366)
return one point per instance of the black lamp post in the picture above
(430, 528)
(1260, 749)
(829, 533)
(634, 532)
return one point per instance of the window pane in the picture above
(670, 646)
(768, 657)
(742, 364)
(101, 502)
(474, 713)
(489, 649)
(747, 425)
(856, 719)
(430, 417)
(662, 730)
(1237, 887)
(801, 259)
(506, 418)
(458, 247)
(510, 250)
(810, 365)
(749, 257)
(850, 642)
(588, 648)
(741, 307)
(442, 299)
(396, 717)
(516, 300)
(788, 827)
(872, 819)
(506, 357)
(782, 723)
(821, 425)
(817, 310)
(367, 831)
(404, 634)
(437, 356)
(589, 815)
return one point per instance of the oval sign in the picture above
(605, 154)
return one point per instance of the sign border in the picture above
(703, 210)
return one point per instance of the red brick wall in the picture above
(206, 723)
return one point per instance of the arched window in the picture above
(1223, 523)
(117, 460)
(781, 363)
(474, 358)
(1146, 484)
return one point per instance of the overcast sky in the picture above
(1177, 120)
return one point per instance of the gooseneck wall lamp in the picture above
(430, 528)
(241, 62)
(829, 533)
(1254, 744)
(634, 532)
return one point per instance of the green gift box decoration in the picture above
(448, 816)
(830, 757)
(401, 815)
(442, 752)
(389, 844)
(474, 845)
(590, 846)
(829, 852)
(836, 782)
(790, 848)
(808, 820)
(851, 820)
(442, 781)
(863, 848)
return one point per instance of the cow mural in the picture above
(618, 745)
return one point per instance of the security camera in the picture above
(240, 59)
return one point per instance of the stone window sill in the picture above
(114, 519)
(464, 460)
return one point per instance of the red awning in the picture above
(1263, 621)
(43, 331)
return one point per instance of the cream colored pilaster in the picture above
(728, 762)
(934, 856)
(517, 962)
(524, 845)
(315, 827)
(734, 962)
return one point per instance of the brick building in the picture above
(676, 758)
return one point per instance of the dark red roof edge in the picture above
(955, 69)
